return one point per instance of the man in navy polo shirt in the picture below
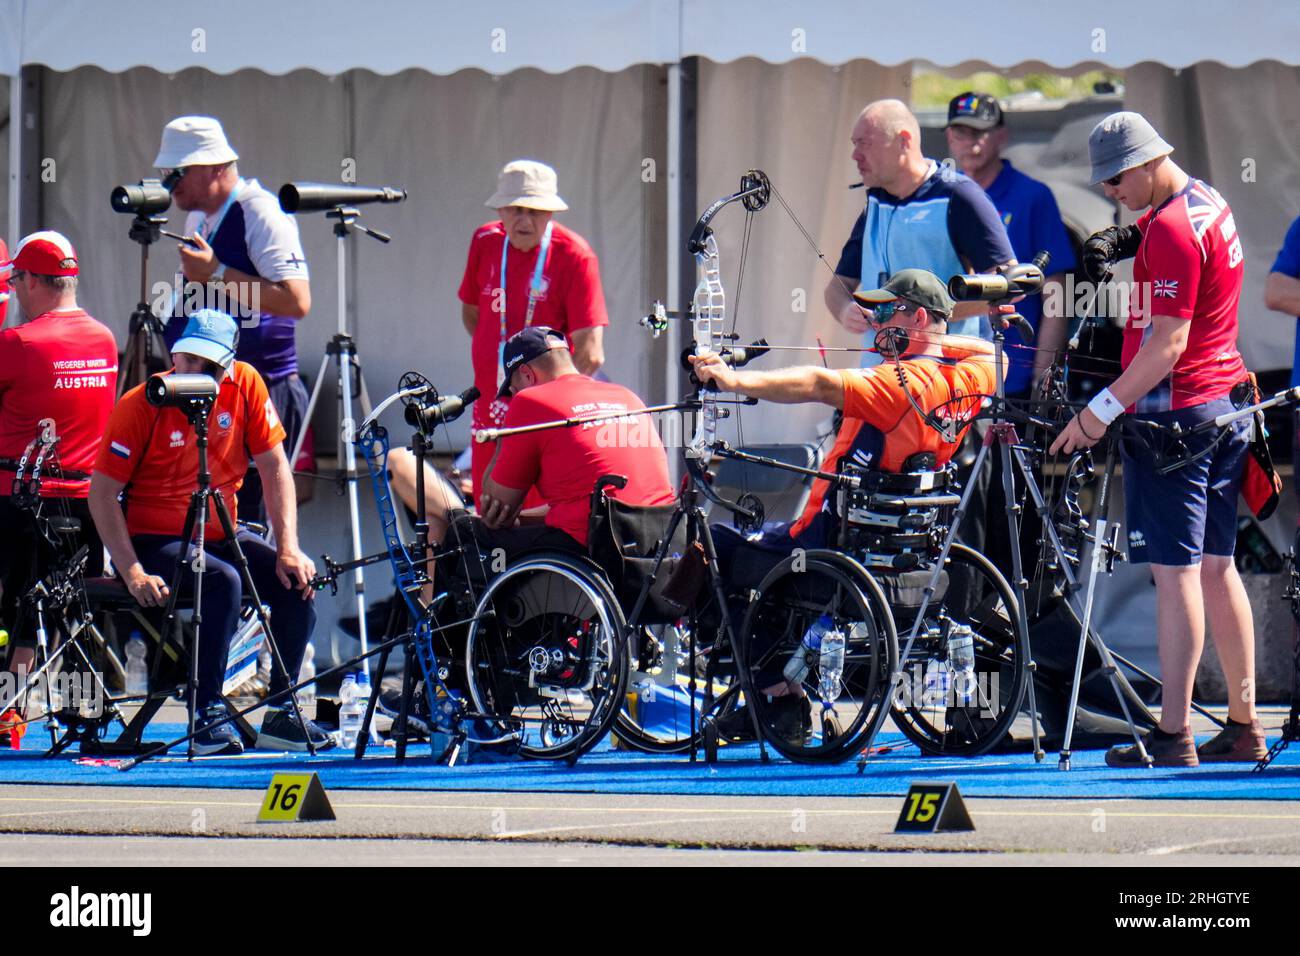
(246, 260)
(977, 134)
(919, 215)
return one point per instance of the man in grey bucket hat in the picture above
(1180, 366)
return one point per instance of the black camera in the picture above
(1024, 278)
(189, 393)
(148, 197)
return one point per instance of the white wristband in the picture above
(218, 273)
(1105, 406)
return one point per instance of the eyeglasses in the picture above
(14, 277)
(1114, 180)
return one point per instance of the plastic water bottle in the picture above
(307, 695)
(830, 666)
(961, 659)
(796, 669)
(137, 671)
(350, 710)
(938, 679)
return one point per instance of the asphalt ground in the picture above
(146, 825)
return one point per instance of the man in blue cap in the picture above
(1181, 366)
(149, 460)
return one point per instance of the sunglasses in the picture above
(880, 314)
(1114, 180)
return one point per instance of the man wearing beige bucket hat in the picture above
(526, 270)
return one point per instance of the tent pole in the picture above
(14, 184)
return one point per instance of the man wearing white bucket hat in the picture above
(1181, 366)
(551, 278)
(246, 259)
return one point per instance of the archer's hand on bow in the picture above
(1083, 431)
(710, 367)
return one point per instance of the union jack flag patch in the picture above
(1166, 288)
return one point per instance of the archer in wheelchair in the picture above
(141, 497)
(888, 510)
(543, 655)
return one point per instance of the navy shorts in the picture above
(1175, 518)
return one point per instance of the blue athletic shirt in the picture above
(256, 237)
(1032, 220)
(1288, 263)
(948, 226)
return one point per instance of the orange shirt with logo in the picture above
(153, 451)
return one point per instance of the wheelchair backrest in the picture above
(896, 521)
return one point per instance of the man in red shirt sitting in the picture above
(149, 458)
(60, 365)
(562, 463)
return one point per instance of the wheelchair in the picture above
(965, 668)
(544, 662)
(685, 683)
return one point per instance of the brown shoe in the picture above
(1166, 750)
(1235, 743)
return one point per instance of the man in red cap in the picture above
(60, 365)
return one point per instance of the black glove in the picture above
(1103, 249)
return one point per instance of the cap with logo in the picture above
(976, 110)
(1122, 141)
(194, 141)
(915, 285)
(530, 184)
(526, 345)
(44, 253)
(211, 335)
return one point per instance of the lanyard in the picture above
(204, 231)
(534, 289)
(534, 292)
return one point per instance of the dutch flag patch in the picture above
(120, 450)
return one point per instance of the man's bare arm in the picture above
(149, 590)
(589, 349)
(1282, 293)
(469, 316)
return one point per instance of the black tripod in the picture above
(144, 330)
(195, 528)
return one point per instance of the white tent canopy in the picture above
(442, 37)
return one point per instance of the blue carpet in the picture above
(739, 773)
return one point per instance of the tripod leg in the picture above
(1020, 586)
(228, 526)
(937, 571)
(311, 407)
(720, 596)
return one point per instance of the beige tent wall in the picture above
(1237, 129)
(443, 138)
(793, 122)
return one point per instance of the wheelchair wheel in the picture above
(545, 657)
(825, 720)
(945, 712)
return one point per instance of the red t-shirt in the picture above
(1189, 266)
(881, 429)
(564, 463)
(153, 451)
(571, 298)
(60, 365)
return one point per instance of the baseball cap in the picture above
(211, 335)
(915, 285)
(1122, 141)
(45, 253)
(194, 141)
(526, 345)
(530, 184)
(976, 110)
